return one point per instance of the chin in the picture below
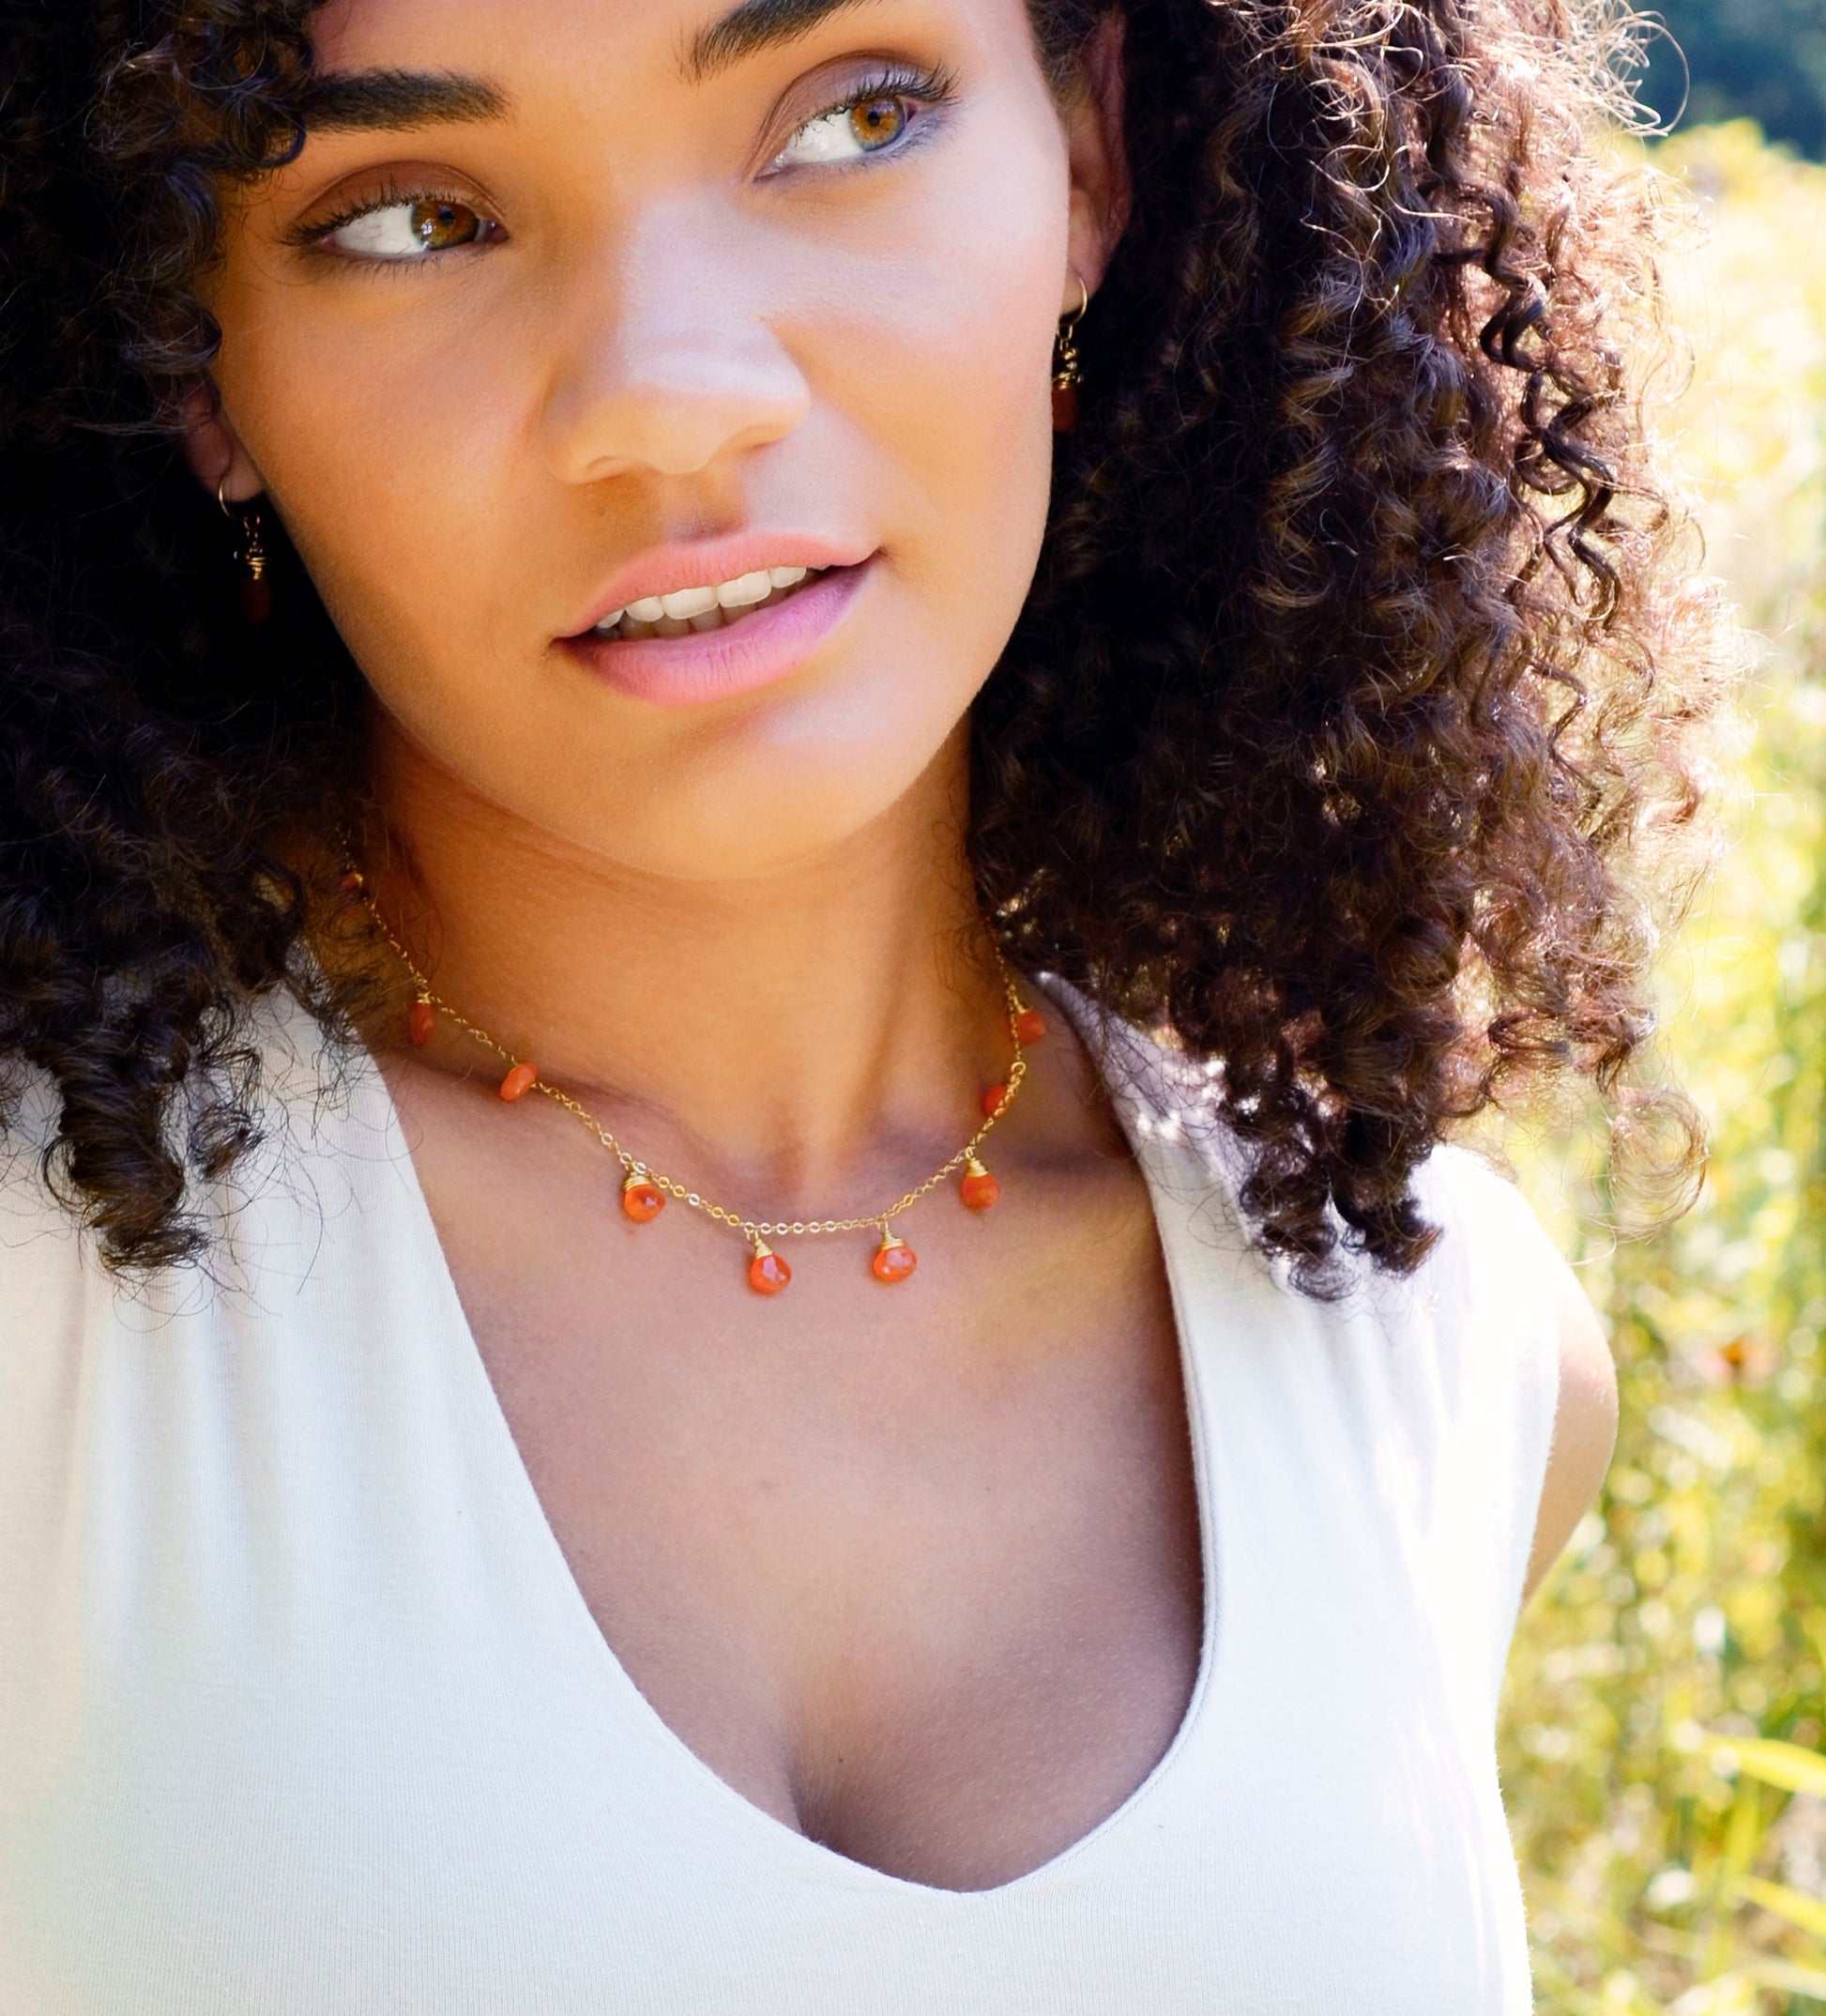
(789, 785)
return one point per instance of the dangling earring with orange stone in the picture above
(1067, 372)
(256, 590)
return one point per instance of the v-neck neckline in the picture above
(502, 1452)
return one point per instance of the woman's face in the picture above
(570, 305)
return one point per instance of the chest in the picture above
(917, 1573)
(300, 1708)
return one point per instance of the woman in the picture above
(728, 1281)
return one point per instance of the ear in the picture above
(215, 452)
(1099, 160)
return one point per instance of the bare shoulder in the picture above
(1585, 1423)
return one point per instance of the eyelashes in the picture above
(405, 224)
(883, 115)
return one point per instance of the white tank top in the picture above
(303, 1714)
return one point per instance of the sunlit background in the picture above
(1663, 1743)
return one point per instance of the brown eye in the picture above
(411, 227)
(438, 225)
(878, 122)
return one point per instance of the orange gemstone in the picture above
(1031, 1024)
(768, 1274)
(979, 1188)
(641, 1199)
(420, 1020)
(519, 1082)
(994, 1100)
(894, 1260)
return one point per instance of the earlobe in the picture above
(215, 452)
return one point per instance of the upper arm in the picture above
(1584, 1425)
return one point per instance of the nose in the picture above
(672, 365)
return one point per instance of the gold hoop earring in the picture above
(256, 590)
(1067, 372)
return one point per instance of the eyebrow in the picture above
(368, 100)
(754, 25)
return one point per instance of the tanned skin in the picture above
(916, 1571)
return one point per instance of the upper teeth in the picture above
(684, 603)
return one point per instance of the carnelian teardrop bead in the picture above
(994, 1100)
(768, 1274)
(979, 1188)
(894, 1260)
(420, 1020)
(1031, 1024)
(641, 1197)
(519, 1082)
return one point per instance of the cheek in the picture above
(930, 365)
(940, 354)
(392, 462)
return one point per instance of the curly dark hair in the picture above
(1358, 666)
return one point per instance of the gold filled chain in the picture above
(645, 1188)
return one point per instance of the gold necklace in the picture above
(646, 1189)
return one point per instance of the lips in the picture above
(702, 567)
(733, 650)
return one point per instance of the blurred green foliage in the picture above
(1750, 59)
(1671, 1863)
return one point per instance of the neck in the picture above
(797, 1033)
